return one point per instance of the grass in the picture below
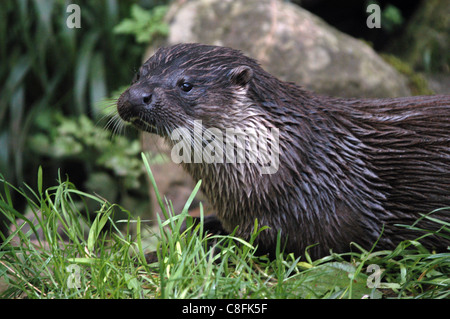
(69, 251)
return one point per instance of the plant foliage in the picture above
(145, 25)
(55, 251)
(48, 67)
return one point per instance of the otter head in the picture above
(186, 83)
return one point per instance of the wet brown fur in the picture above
(350, 169)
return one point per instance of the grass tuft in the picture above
(60, 247)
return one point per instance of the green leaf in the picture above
(191, 197)
(335, 279)
(144, 25)
(132, 282)
(125, 27)
(16, 76)
(44, 11)
(83, 260)
(139, 14)
(39, 181)
(82, 70)
(98, 84)
(100, 221)
(155, 188)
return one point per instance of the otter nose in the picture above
(138, 96)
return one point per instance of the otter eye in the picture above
(186, 86)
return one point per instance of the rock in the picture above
(439, 82)
(290, 43)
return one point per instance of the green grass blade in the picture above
(82, 70)
(99, 222)
(155, 187)
(191, 197)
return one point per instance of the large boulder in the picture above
(290, 43)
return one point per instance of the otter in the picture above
(349, 169)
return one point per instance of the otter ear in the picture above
(241, 75)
